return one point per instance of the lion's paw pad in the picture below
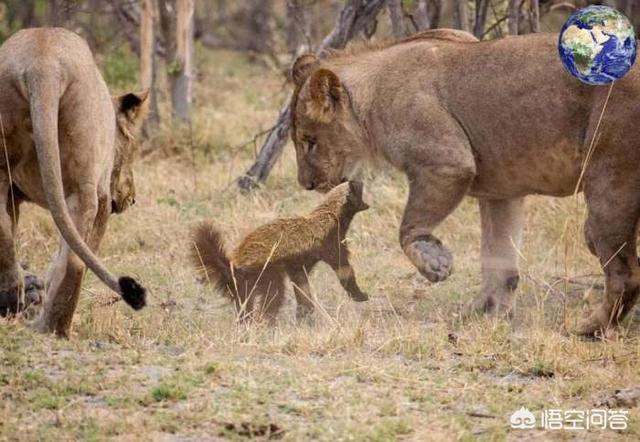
(433, 260)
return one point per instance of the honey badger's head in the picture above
(354, 200)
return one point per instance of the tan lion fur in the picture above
(497, 120)
(70, 148)
(253, 274)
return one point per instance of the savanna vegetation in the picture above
(402, 366)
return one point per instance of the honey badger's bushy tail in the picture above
(209, 255)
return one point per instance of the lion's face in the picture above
(327, 137)
(130, 113)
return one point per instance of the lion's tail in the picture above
(208, 254)
(44, 96)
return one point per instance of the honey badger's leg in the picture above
(272, 299)
(612, 230)
(302, 290)
(339, 262)
(501, 234)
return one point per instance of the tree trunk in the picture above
(481, 18)
(396, 15)
(166, 11)
(421, 16)
(461, 15)
(535, 15)
(59, 12)
(22, 15)
(148, 16)
(181, 70)
(259, 37)
(298, 28)
(352, 20)
(514, 16)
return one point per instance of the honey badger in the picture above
(253, 274)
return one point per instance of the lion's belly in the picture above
(25, 171)
(519, 171)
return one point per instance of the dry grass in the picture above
(401, 366)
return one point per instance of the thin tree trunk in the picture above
(24, 14)
(421, 16)
(481, 18)
(181, 72)
(258, 30)
(352, 20)
(397, 18)
(535, 15)
(298, 28)
(514, 16)
(148, 16)
(59, 12)
(461, 15)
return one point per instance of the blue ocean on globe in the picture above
(597, 45)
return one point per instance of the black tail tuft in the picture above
(208, 254)
(132, 292)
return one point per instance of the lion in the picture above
(256, 269)
(68, 147)
(497, 120)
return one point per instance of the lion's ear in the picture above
(326, 95)
(133, 106)
(302, 68)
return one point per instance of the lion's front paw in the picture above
(431, 257)
(597, 324)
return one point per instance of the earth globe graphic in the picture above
(597, 45)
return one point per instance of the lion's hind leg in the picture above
(64, 279)
(611, 229)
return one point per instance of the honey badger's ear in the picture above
(326, 95)
(303, 67)
(133, 106)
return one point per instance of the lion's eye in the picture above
(311, 146)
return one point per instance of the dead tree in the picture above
(148, 16)
(177, 24)
(514, 16)
(534, 15)
(59, 12)
(461, 15)
(353, 19)
(181, 73)
(420, 16)
(396, 14)
(298, 27)
(482, 7)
